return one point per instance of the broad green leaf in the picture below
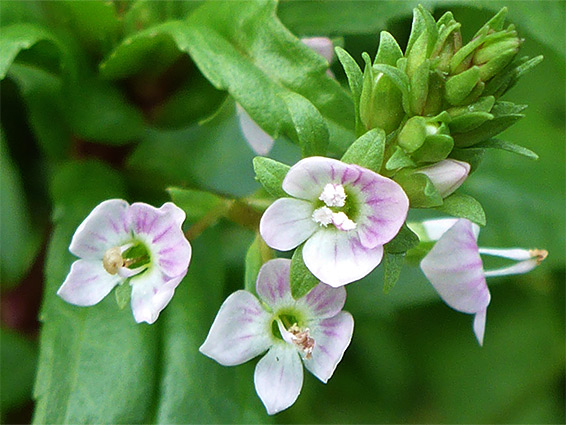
(392, 264)
(42, 94)
(242, 47)
(270, 174)
(507, 146)
(194, 388)
(463, 206)
(18, 37)
(367, 151)
(96, 365)
(197, 204)
(18, 357)
(20, 239)
(312, 132)
(301, 279)
(405, 240)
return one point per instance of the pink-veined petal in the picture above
(273, 283)
(337, 258)
(454, 268)
(323, 301)
(308, 177)
(260, 142)
(331, 338)
(447, 175)
(240, 331)
(383, 208)
(87, 283)
(151, 292)
(479, 325)
(104, 228)
(278, 378)
(160, 229)
(287, 223)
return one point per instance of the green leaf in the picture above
(194, 388)
(469, 121)
(302, 280)
(355, 81)
(197, 203)
(389, 51)
(398, 77)
(258, 253)
(18, 357)
(463, 206)
(419, 188)
(20, 239)
(311, 129)
(507, 146)
(399, 159)
(367, 151)
(18, 37)
(405, 240)
(270, 174)
(392, 264)
(242, 47)
(96, 365)
(143, 14)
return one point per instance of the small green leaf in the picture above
(196, 203)
(355, 81)
(393, 264)
(258, 253)
(399, 159)
(463, 206)
(367, 151)
(469, 121)
(270, 174)
(389, 51)
(302, 280)
(309, 124)
(123, 294)
(405, 240)
(472, 156)
(398, 77)
(507, 146)
(419, 188)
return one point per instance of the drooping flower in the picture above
(312, 329)
(136, 244)
(455, 269)
(260, 141)
(344, 212)
(447, 175)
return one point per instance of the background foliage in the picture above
(107, 99)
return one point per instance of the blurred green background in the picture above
(75, 133)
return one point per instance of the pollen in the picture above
(322, 216)
(333, 195)
(302, 340)
(539, 254)
(112, 260)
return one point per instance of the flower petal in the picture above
(447, 175)
(87, 283)
(479, 325)
(308, 177)
(321, 45)
(260, 142)
(287, 223)
(104, 228)
(323, 301)
(278, 378)
(151, 292)
(273, 285)
(161, 230)
(454, 267)
(383, 207)
(337, 258)
(240, 331)
(331, 338)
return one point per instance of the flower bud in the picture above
(461, 86)
(447, 175)
(496, 52)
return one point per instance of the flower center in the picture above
(302, 340)
(127, 260)
(334, 197)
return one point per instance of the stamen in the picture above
(322, 216)
(527, 260)
(302, 339)
(112, 260)
(333, 195)
(342, 222)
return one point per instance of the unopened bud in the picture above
(460, 86)
(447, 175)
(413, 134)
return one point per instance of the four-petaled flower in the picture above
(455, 269)
(119, 242)
(344, 212)
(312, 328)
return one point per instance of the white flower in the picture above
(447, 175)
(454, 267)
(136, 244)
(312, 328)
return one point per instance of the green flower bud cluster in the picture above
(441, 96)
